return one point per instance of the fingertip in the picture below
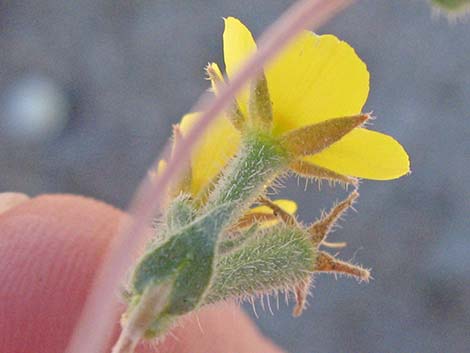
(222, 327)
(50, 247)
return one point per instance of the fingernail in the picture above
(9, 200)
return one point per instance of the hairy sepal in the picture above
(185, 258)
(180, 212)
(275, 259)
(259, 105)
(309, 140)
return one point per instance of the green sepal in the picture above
(180, 212)
(311, 139)
(259, 104)
(275, 259)
(187, 257)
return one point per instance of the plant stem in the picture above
(259, 161)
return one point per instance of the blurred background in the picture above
(89, 90)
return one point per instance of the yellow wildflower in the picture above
(317, 78)
(204, 169)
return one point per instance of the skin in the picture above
(50, 248)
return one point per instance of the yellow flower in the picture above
(317, 78)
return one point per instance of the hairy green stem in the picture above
(259, 161)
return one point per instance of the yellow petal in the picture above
(238, 46)
(316, 78)
(365, 154)
(219, 143)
